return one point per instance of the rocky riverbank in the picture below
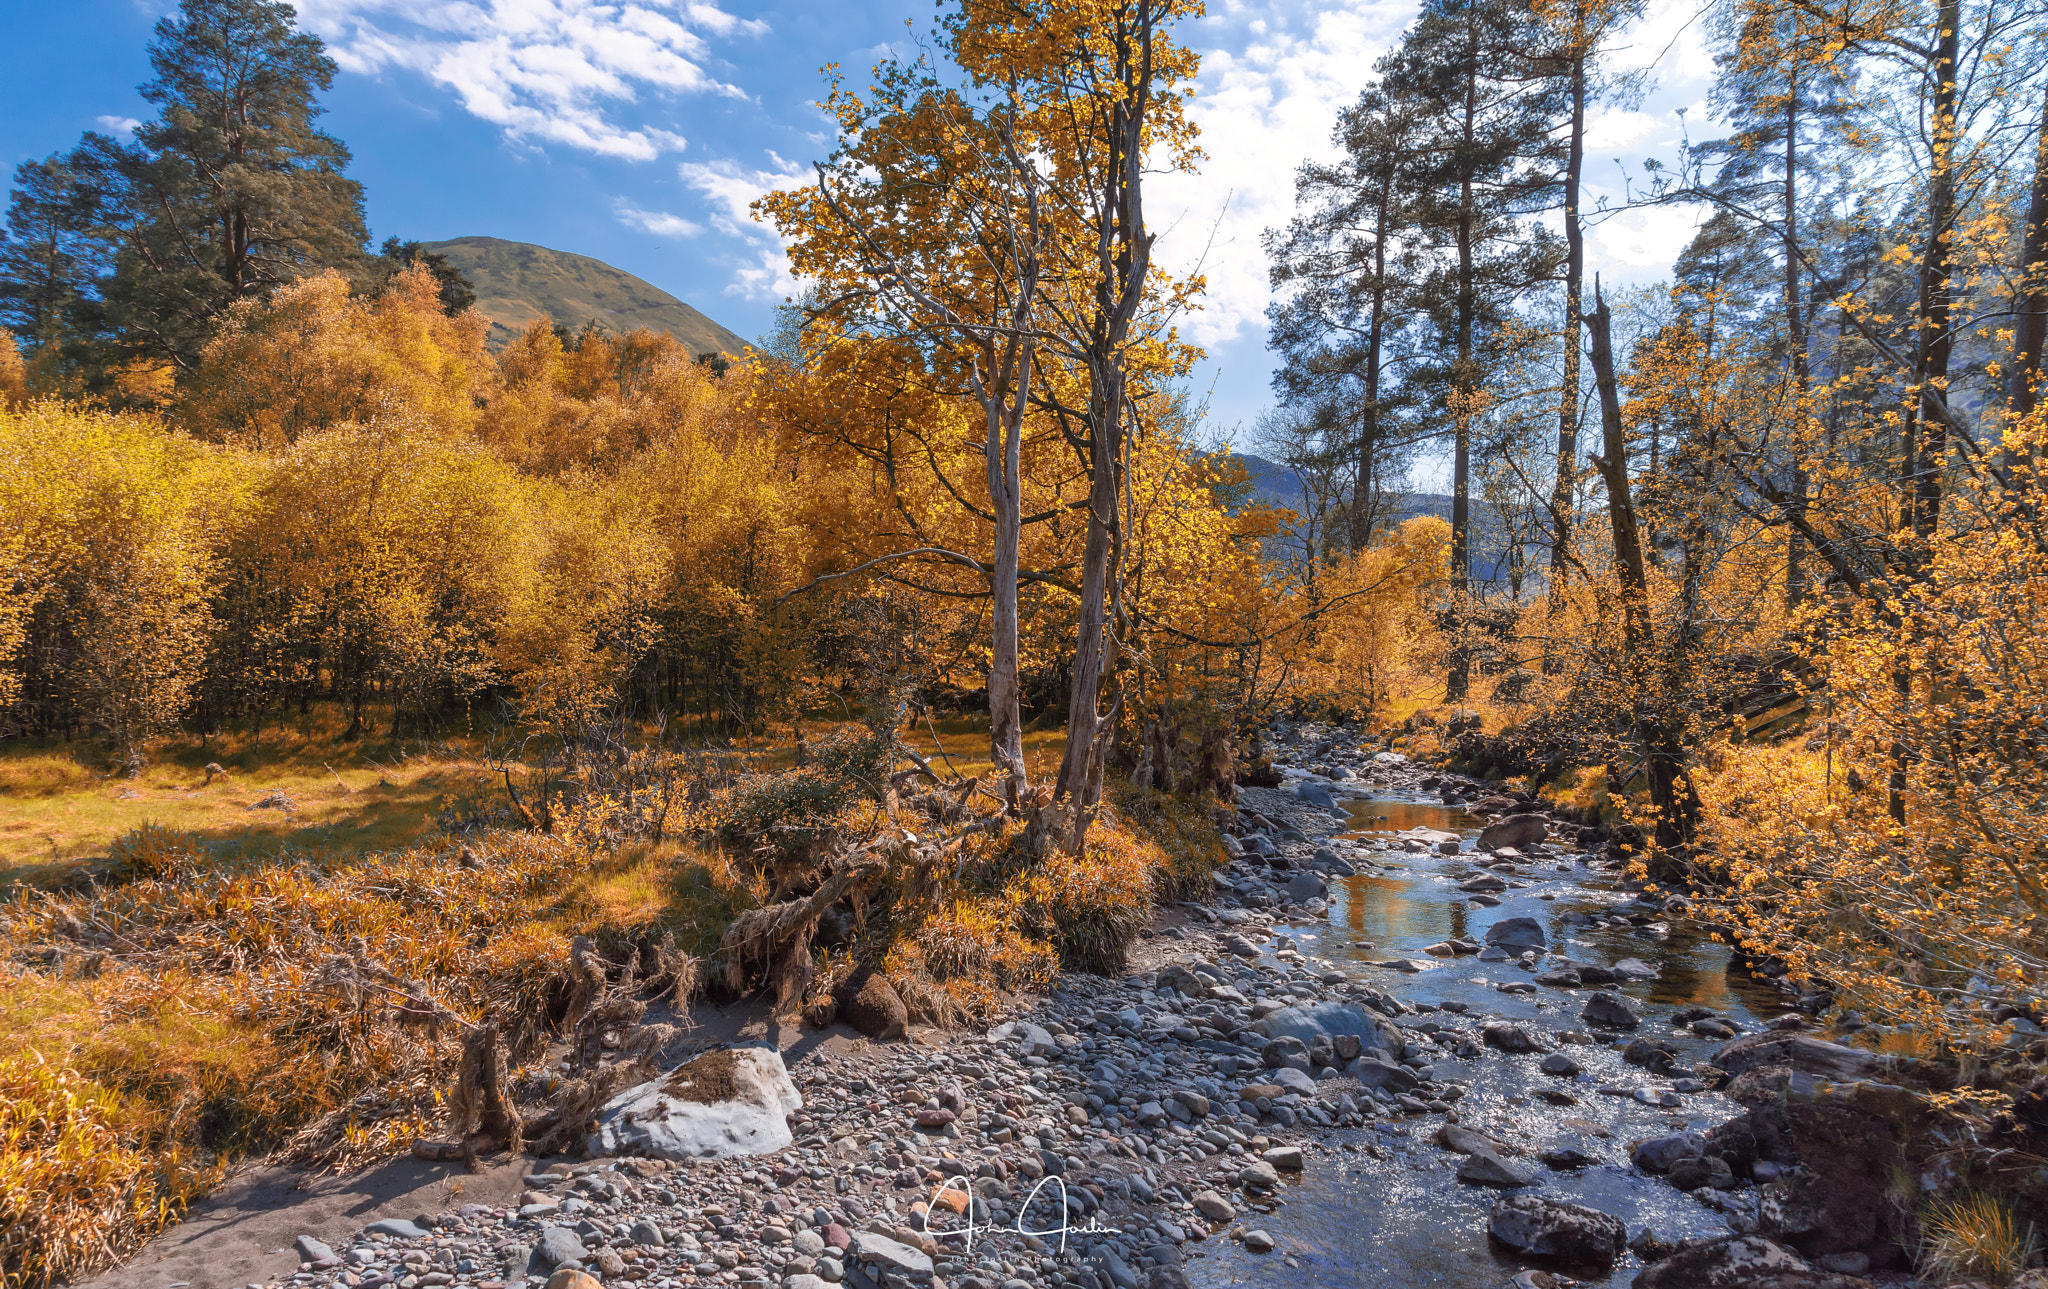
(1124, 1132)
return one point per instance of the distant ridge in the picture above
(517, 282)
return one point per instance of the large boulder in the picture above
(1327, 1020)
(1515, 830)
(1516, 933)
(730, 1102)
(1739, 1262)
(869, 1003)
(1549, 1228)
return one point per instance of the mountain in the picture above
(1276, 485)
(517, 282)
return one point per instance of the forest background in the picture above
(682, 654)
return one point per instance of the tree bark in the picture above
(1574, 289)
(2030, 324)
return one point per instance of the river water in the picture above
(1405, 1220)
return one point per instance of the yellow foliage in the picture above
(311, 357)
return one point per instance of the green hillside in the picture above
(517, 282)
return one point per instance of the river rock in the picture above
(1316, 794)
(1375, 1073)
(1607, 1011)
(1288, 1159)
(1559, 1064)
(1658, 1154)
(1801, 1052)
(1515, 831)
(1258, 1174)
(1485, 883)
(1701, 1170)
(1303, 887)
(573, 1278)
(1739, 1262)
(1516, 933)
(1327, 1020)
(725, 1103)
(1484, 1168)
(312, 1250)
(1548, 1228)
(1214, 1207)
(890, 1257)
(869, 1003)
(559, 1244)
(1508, 1037)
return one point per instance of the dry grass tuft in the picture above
(1975, 1236)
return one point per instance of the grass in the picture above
(1975, 1236)
(59, 808)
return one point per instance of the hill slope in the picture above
(517, 282)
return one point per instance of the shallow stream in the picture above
(1406, 1220)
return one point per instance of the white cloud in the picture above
(730, 189)
(1272, 81)
(547, 71)
(658, 222)
(1647, 238)
(122, 125)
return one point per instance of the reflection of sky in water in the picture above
(1387, 1224)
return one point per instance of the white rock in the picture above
(661, 1120)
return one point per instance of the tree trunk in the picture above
(1795, 337)
(1005, 491)
(1672, 796)
(1928, 451)
(1574, 287)
(1459, 682)
(2031, 314)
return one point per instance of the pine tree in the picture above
(1349, 330)
(48, 259)
(396, 256)
(232, 190)
(1488, 163)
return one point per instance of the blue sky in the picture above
(638, 131)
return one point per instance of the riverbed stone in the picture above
(1608, 1011)
(1658, 1154)
(1484, 1168)
(1739, 1262)
(1514, 831)
(725, 1103)
(1516, 933)
(1540, 1227)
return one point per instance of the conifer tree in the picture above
(232, 190)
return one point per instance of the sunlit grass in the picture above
(60, 807)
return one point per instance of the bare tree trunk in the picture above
(1928, 453)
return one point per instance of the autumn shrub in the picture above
(1091, 907)
(155, 851)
